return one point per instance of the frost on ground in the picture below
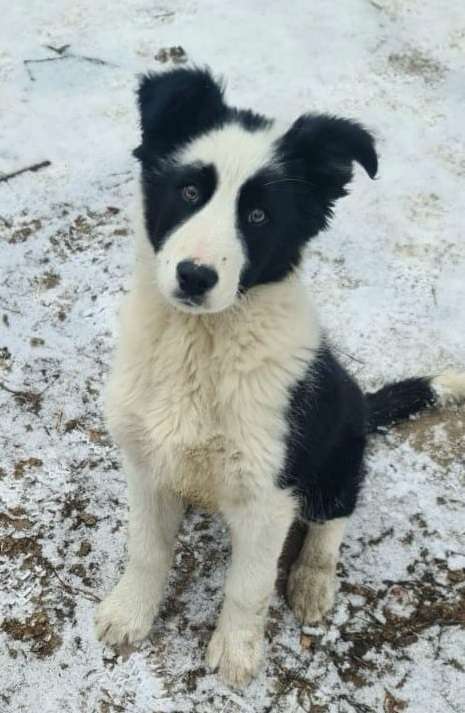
(388, 279)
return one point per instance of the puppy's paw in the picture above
(236, 654)
(124, 616)
(311, 591)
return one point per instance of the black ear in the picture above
(328, 146)
(175, 107)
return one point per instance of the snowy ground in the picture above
(389, 280)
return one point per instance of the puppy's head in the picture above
(229, 202)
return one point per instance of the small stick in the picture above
(70, 588)
(58, 50)
(27, 62)
(63, 54)
(35, 167)
(349, 356)
(94, 60)
(162, 15)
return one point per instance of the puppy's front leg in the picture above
(126, 614)
(258, 531)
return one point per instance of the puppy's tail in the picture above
(396, 402)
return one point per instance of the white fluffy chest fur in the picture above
(205, 397)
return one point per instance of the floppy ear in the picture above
(327, 146)
(175, 107)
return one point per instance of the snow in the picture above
(388, 279)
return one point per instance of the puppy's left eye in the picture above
(257, 216)
(191, 193)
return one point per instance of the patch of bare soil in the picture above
(36, 630)
(417, 64)
(440, 434)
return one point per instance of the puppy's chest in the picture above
(216, 430)
(182, 396)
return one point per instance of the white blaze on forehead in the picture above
(236, 154)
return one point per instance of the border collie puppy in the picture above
(224, 393)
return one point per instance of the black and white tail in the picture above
(398, 401)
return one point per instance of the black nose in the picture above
(194, 280)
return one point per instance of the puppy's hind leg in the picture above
(312, 580)
(126, 614)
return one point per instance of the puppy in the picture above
(224, 393)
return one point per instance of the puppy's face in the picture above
(229, 202)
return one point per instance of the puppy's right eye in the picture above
(191, 194)
(257, 216)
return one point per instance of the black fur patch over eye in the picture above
(314, 164)
(173, 195)
(274, 233)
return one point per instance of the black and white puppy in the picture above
(223, 392)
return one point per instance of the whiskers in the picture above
(289, 180)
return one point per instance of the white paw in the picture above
(236, 654)
(311, 591)
(125, 615)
